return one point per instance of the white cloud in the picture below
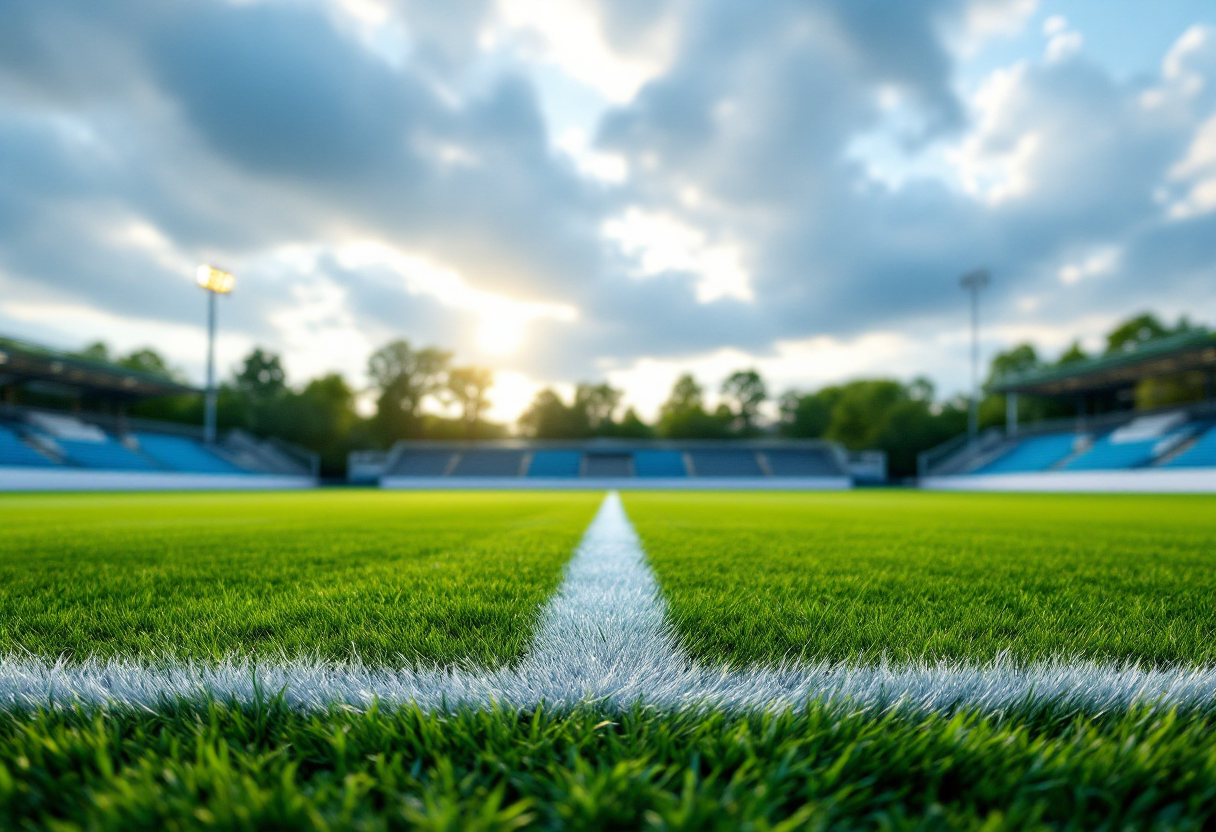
(320, 333)
(986, 19)
(570, 35)
(1064, 45)
(990, 165)
(606, 167)
(1198, 170)
(1102, 261)
(1054, 25)
(660, 243)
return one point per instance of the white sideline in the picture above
(605, 637)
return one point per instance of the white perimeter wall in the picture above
(59, 479)
(623, 484)
(1145, 481)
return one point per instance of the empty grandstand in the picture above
(1121, 448)
(611, 463)
(43, 448)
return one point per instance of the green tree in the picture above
(744, 391)
(631, 426)
(148, 360)
(807, 416)
(96, 351)
(1135, 331)
(860, 414)
(548, 417)
(597, 402)
(1020, 359)
(683, 415)
(469, 387)
(261, 376)
(405, 377)
(1073, 354)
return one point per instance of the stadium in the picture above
(597, 420)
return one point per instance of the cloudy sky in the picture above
(620, 190)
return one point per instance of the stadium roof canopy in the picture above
(1181, 353)
(49, 371)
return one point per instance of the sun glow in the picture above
(502, 322)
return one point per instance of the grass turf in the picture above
(220, 767)
(388, 577)
(753, 577)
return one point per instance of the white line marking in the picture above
(605, 637)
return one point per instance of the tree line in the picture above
(901, 418)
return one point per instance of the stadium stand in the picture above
(608, 463)
(42, 447)
(1110, 445)
(177, 453)
(1038, 453)
(105, 455)
(424, 463)
(798, 463)
(489, 463)
(555, 464)
(711, 462)
(659, 464)
(13, 451)
(1201, 453)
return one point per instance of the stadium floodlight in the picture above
(974, 282)
(216, 282)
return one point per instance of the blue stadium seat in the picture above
(801, 463)
(1200, 455)
(179, 453)
(609, 465)
(489, 463)
(555, 464)
(107, 455)
(422, 463)
(725, 463)
(659, 464)
(15, 452)
(1038, 453)
(1105, 455)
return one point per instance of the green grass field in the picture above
(459, 578)
(754, 577)
(269, 768)
(391, 578)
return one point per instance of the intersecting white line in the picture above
(605, 638)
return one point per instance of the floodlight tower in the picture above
(974, 281)
(216, 282)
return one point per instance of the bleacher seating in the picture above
(725, 463)
(489, 463)
(423, 463)
(15, 452)
(800, 463)
(555, 464)
(107, 454)
(600, 465)
(1106, 455)
(1036, 453)
(1202, 454)
(659, 464)
(178, 453)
